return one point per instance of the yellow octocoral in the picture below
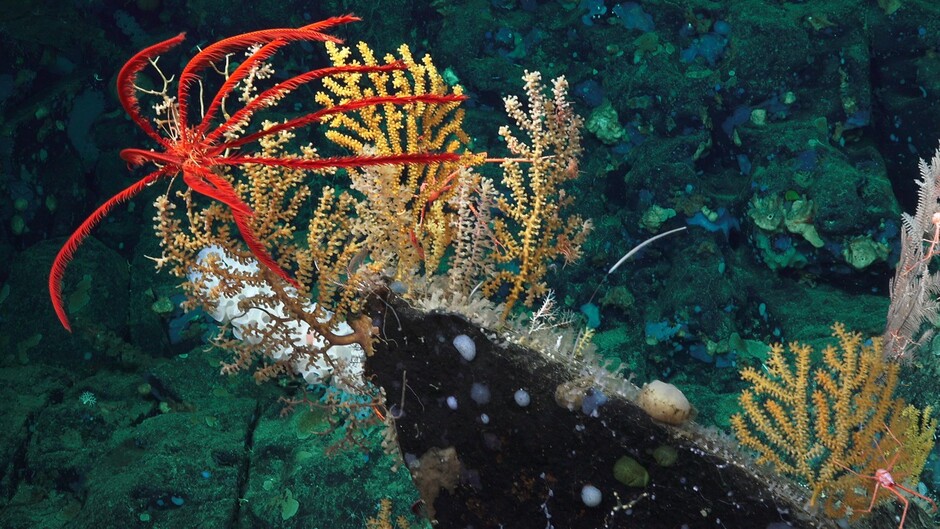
(416, 211)
(383, 519)
(532, 230)
(829, 424)
(408, 210)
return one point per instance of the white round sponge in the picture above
(664, 402)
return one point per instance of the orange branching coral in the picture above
(383, 519)
(829, 424)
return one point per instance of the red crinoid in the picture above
(193, 147)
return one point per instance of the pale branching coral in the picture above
(532, 229)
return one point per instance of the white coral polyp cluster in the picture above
(251, 324)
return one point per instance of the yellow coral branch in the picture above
(815, 422)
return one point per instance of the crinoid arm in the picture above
(355, 104)
(211, 185)
(270, 96)
(271, 40)
(138, 157)
(259, 250)
(344, 161)
(127, 78)
(67, 251)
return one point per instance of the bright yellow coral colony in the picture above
(830, 424)
(408, 218)
(438, 230)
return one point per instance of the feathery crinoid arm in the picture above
(253, 63)
(407, 112)
(67, 252)
(270, 40)
(270, 97)
(127, 79)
